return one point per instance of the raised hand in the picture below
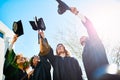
(14, 38)
(74, 10)
(41, 33)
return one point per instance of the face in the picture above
(36, 59)
(60, 49)
(20, 59)
(83, 40)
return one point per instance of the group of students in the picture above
(65, 67)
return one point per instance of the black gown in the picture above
(66, 68)
(11, 71)
(94, 55)
(42, 70)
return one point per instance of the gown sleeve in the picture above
(9, 59)
(51, 57)
(44, 47)
(90, 29)
(46, 50)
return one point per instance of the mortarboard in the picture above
(18, 28)
(62, 7)
(42, 24)
(38, 24)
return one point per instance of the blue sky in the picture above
(103, 13)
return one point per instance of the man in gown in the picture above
(94, 55)
(65, 67)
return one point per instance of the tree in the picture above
(71, 41)
(115, 55)
(70, 37)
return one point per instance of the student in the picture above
(65, 67)
(94, 55)
(41, 68)
(14, 68)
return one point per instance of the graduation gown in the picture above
(42, 70)
(11, 71)
(66, 68)
(94, 55)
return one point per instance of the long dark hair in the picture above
(31, 62)
(66, 52)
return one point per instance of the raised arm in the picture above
(10, 55)
(13, 41)
(86, 22)
(44, 46)
(45, 49)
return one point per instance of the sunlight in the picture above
(112, 69)
(106, 21)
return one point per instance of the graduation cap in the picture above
(18, 28)
(62, 7)
(38, 24)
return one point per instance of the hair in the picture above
(31, 62)
(66, 52)
(83, 39)
(26, 64)
(16, 57)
